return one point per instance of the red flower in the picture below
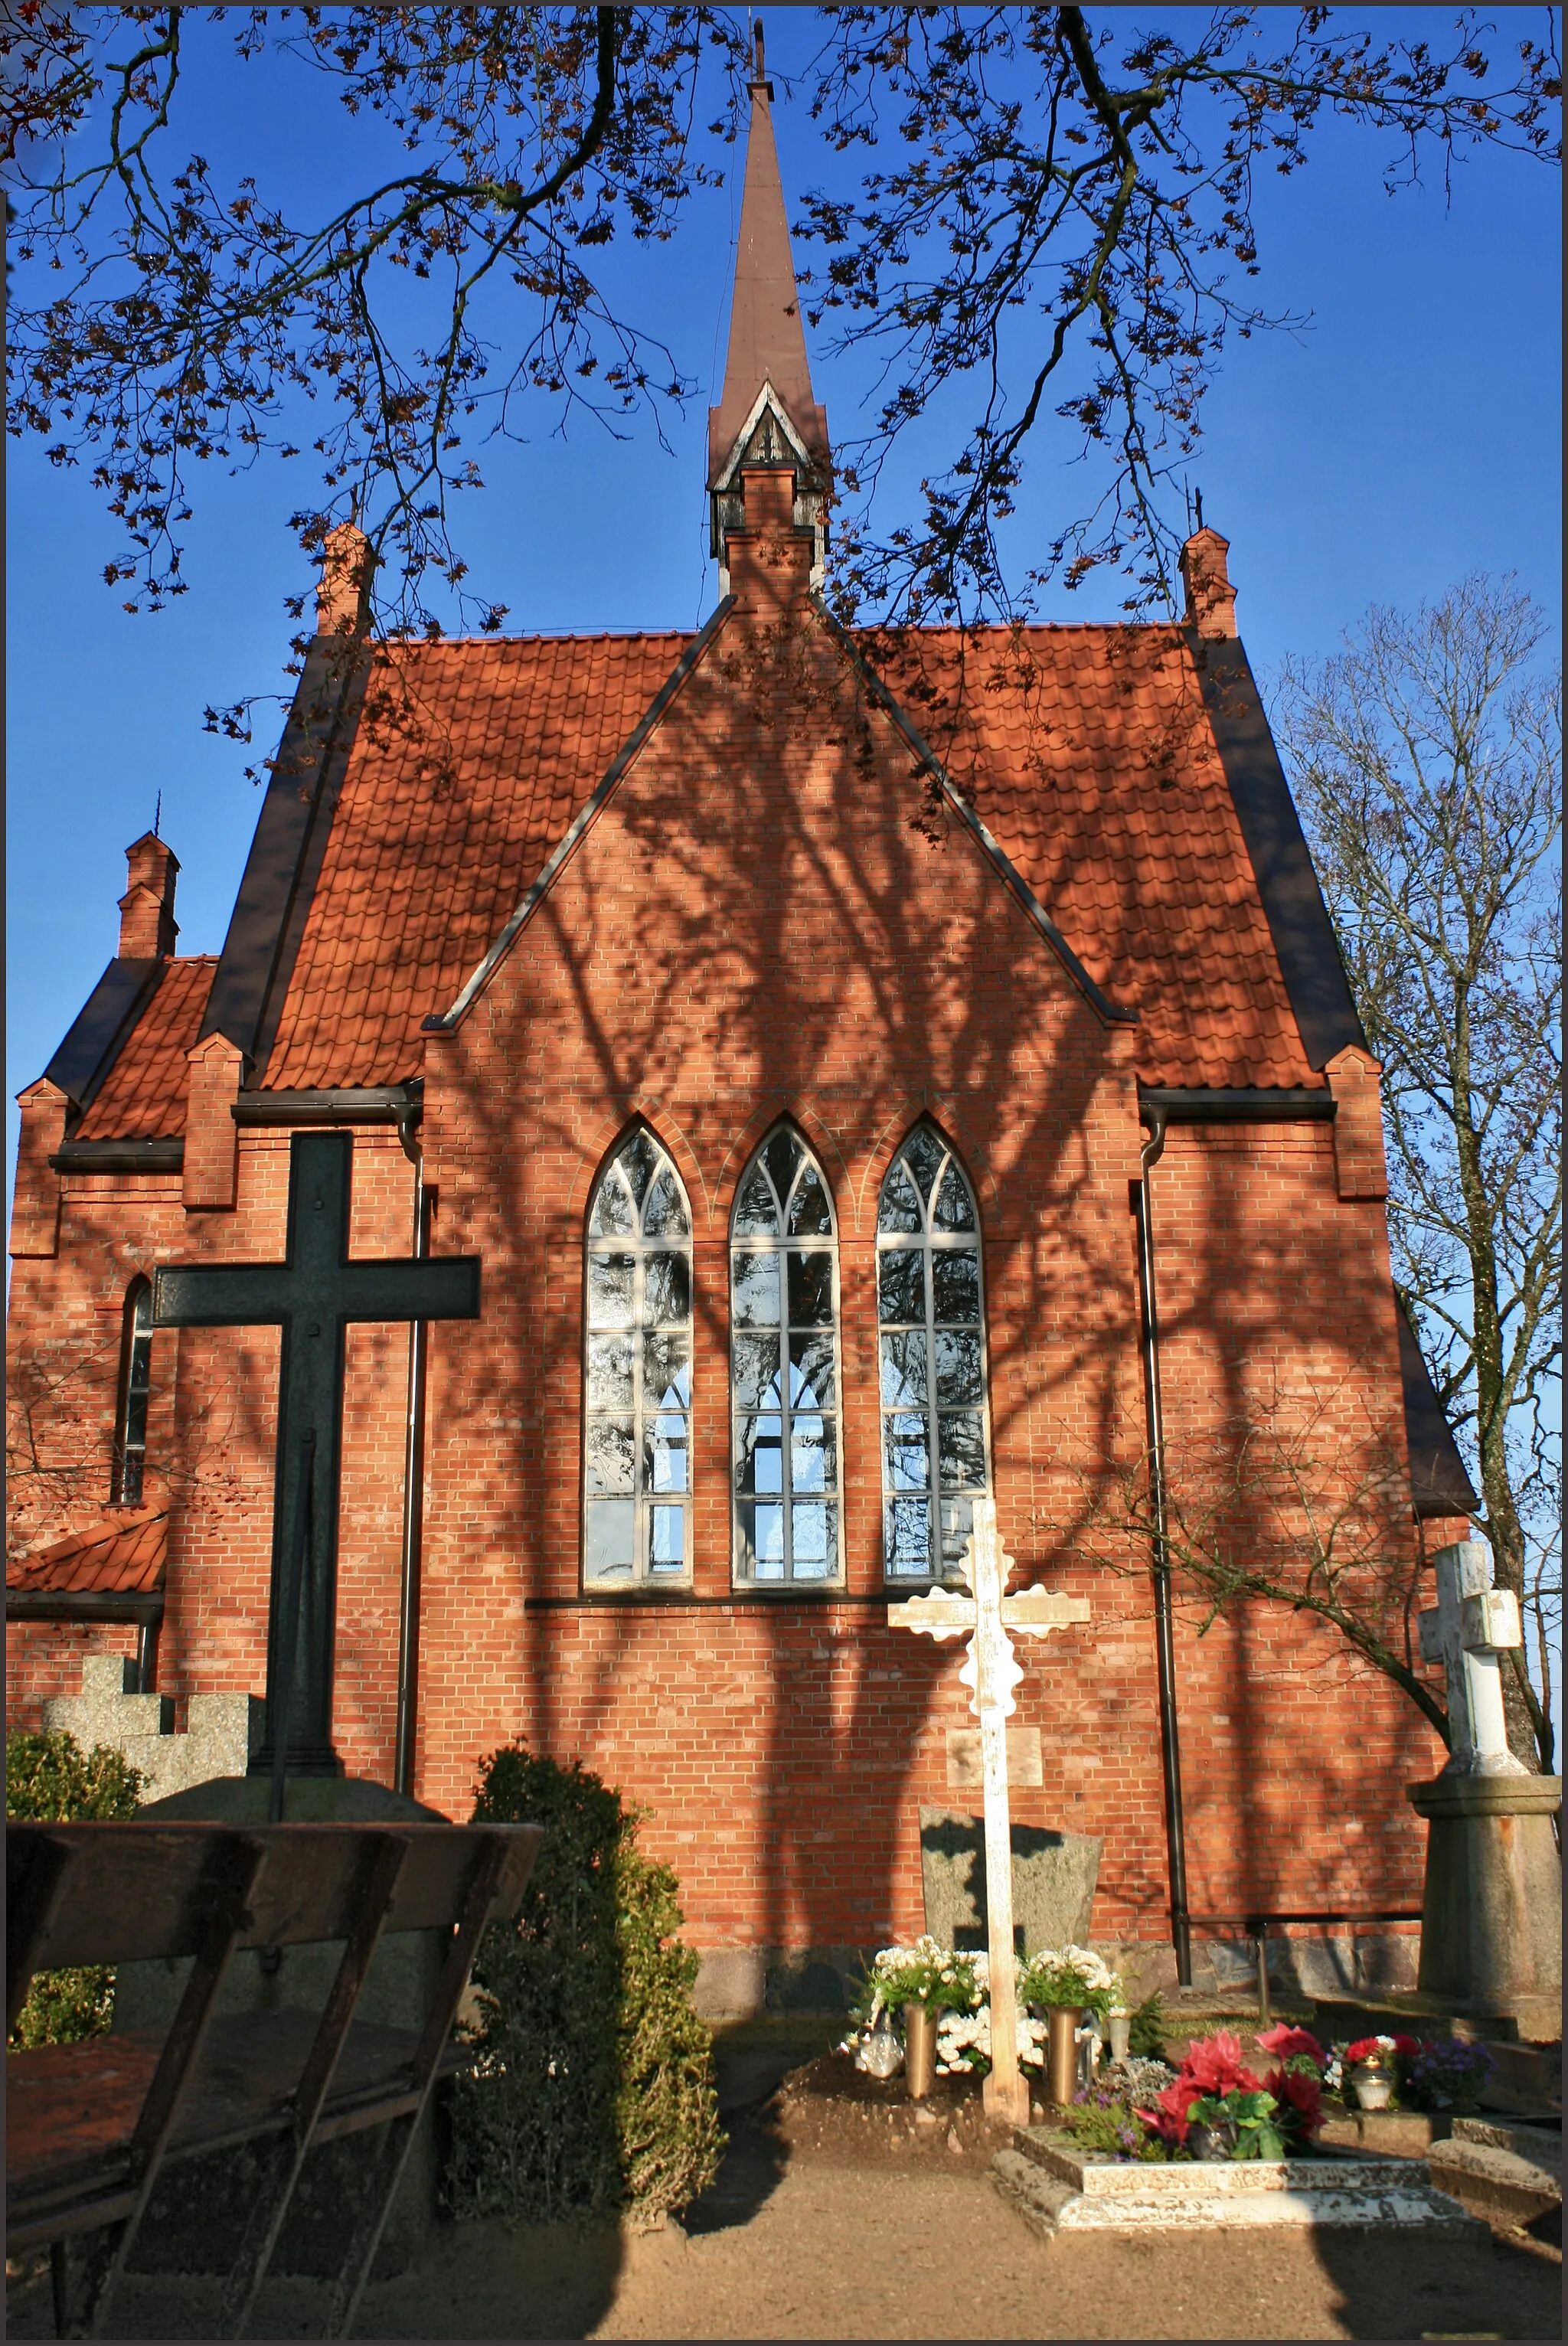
(1365, 2048)
(1287, 2042)
(1213, 2066)
(1168, 2117)
(1294, 2090)
(1407, 2046)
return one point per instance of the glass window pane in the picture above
(663, 1215)
(781, 1155)
(813, 1455)
(762, 1541)
(757, 1371)
(756, 1290)
(668, 1293)
(907, 1538)
(756, 1215)
(613, 1216)
(810, 1215)
(957, 1523)
(955, 1285)
(667, 1370)
(901, 1285)
(900, 1207)
(907, 1453)
(905, 1371)
(666, 1539)
(612, 1525)
(957, 1376)
(610, 1285)
(960, 1439)
(639, 1161)
(666, 1455)
(610, 1361)
(811, 1290)
(924, 1153)
(813, 1543)
(759, 1455)
(811, 1371)
(611, 1454)
(954, 1208)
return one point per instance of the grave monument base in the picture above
(1057, 2188)
(1491, 1925)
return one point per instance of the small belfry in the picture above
(768, 418)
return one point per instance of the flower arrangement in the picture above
(1070, 1976)
(1376, 2052)
(1252, 2118)
(963, 2040)
(1444, 2074)
(927, 1973)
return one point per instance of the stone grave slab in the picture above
(1054, 1878)
(1055, 2187)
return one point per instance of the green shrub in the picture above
(1148, 2035)
(50, 1780)
(595, 2085)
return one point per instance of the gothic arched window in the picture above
(784, 1356)
(136, 1383)
(931, 1336)
(636, 1479)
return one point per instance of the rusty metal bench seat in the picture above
(90, 2126)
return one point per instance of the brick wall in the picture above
(755, 926)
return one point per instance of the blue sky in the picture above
(1407, 435)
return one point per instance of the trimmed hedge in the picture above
(595, 2087)
(50, 1780)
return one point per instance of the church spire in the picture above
(767, 415)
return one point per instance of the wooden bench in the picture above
(90, 2126)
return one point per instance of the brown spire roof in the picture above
(767, 339)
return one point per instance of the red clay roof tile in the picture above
(1087, 751)
(122, 1557)
(143, 1096)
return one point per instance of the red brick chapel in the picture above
(797, 1026)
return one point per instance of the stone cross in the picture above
(1470, 1626)
(312, 1294)
(990, 1672)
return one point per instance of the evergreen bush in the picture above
(595, 2086)
(50, 1780)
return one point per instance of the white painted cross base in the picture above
(990, 1673)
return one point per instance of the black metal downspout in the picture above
(412, 1486)
(1165, 1646)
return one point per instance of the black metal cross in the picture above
(312, 1294)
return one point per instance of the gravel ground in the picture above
(840, 2218)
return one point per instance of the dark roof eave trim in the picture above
(1244, 1104)
(361, 1104)
(443, 1022)
(1099, 1002)
(166, 1156)
(67, 1604)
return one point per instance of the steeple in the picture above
(767, 416)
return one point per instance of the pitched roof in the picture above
(122, 1557)
(1090, 754)
(446, 816)
(1087, 751)
(143, 1096)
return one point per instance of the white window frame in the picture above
(928, 1241)
(788, 1582)
(643, 1573)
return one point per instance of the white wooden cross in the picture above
(1470, 1625)
(991, 1674)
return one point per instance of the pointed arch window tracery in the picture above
(936, 1453)
(135, 1391)
(784, 1369)
(637, 1417)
